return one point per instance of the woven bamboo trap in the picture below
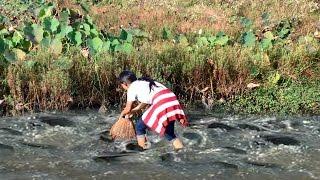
(123, 129)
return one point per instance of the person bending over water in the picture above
(163, 108)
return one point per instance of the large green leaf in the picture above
(95, 45)
(51, 24)
(124, 48)
(221, 39)
(34, 33)
(89, 20)
(94, 32)
(46, 42)
(124, 35)
(202, 41)
(64, 31)
(16, 38)
(245, 22)
(86, 28)
(75, 37)
(266, 44)
(138, 33)
(46, 11)
(268, 35)
(212, 40)
(106, 46)
(4, 32)
(166, 33)
(3, 19)
(30, 64)
(248, 39)
(284, 32)
(115, 42)
(5, 44)
(64, 17)
(182, 39)
(26, 45)
(14, 55)
(56, 46)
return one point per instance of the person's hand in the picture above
(128, 116)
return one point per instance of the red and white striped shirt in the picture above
(164, 108)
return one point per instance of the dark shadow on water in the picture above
(281, 139)
(57, 120)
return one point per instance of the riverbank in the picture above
(244, 56)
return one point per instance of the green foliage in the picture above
(51, 51)
(95, 45)
(56, 46)
(14, 55)
(293, 98)
(34, 33)
(51, 24)
(166, 33)
(46, 11)
(248, 39)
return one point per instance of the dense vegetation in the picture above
(249, 56)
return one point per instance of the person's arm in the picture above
(127, 109)
(139, 107)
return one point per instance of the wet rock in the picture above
(11, 131)
(192, 136)
(35, 124)
(263, 164)
(6, 150)
(225, 165)
(109, 156)
(56, 121)
(6, 147)
(250, 127)
(280, 139)
(259, 143)
(105, 136)
(37, 145)
(216, 125)
(235, 150)
(167, 157)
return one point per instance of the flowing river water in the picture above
(77, 145)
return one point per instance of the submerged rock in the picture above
(280, 139)
(6, 147)
(216, 125)
(193, 137)
(167, 157)
(11, 131)
(6, 150)
(263, 164)
(235, 150)
(37, 145)
(110, 156)
(105, 136)
(250, 127)
(56, 121)
(225, 165)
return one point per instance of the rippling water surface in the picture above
(76, 145)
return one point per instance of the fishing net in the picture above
(123, 129)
